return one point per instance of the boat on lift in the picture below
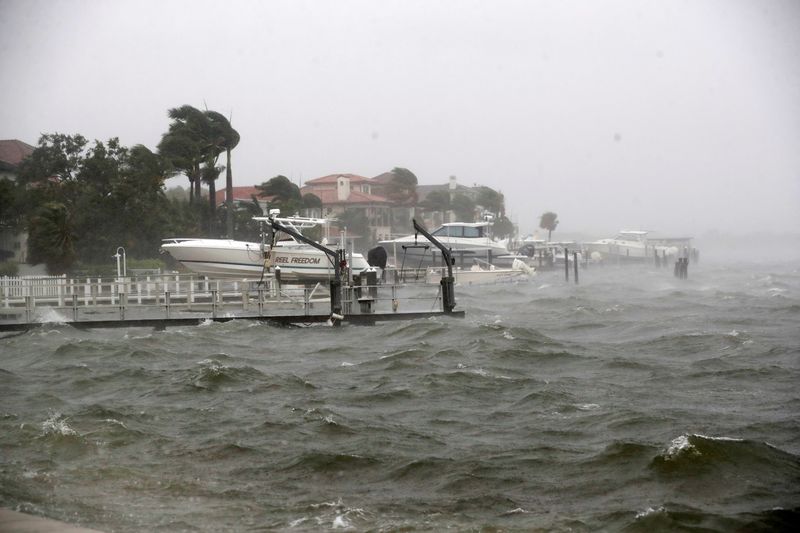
(466, 241)
(298, 262)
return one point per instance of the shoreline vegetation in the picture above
(79, 200)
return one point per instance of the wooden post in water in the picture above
(575, 262)
(566, 264)
(122, 301)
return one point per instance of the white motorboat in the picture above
(481, 273)
(298, 261)
(627, 245)
(466, 240)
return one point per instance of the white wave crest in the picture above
(48, 315)
(57, 424)
(679, 445)
(649, 511)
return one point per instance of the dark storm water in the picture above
(633, 402)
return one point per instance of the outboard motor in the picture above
(377, 257)
(528, 250)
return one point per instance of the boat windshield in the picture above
(459, 231)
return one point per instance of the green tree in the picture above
(10, 204)
(402, 188)
(503, 227)
(51, 237)
(285, 194)
(549, 221)
(185, 146)
(463, 207)
(226, 138)
(491, 201)
(436, 200)
(210, 172)
(357, 224)
(195, 140)
(103, 197)
(58, 158)
(312, 201)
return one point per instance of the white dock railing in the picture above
(166, 295)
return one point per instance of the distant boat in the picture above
(626, 245)
(483, 274)
(298, 261)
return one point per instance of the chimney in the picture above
(342, 188)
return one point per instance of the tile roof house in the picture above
(13, 243)
(340, 192)
(244, 195)
(12, 152)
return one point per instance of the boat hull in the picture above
(411, 253)
(239, 259)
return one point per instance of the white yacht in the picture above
(298, 261)
(466, 240)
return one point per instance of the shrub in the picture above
(9, 268)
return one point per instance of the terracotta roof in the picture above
(330, 197)
(241, 193)
(384, 178)
(12, 152)
(331, 178)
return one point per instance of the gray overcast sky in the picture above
(677, 116)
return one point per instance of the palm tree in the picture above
(186, 145)
(210, 173)
(549, 221)
(226, 138)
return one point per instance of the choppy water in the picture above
(632, 402)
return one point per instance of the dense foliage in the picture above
(79, 201)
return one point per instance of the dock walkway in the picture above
(176, 300)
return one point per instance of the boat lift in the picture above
(448, 293)
(337, 258)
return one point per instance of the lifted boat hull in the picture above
(240, 259)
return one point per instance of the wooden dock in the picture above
(164, 301)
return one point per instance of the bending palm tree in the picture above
(226, 138)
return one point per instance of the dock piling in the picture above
(575, 262)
